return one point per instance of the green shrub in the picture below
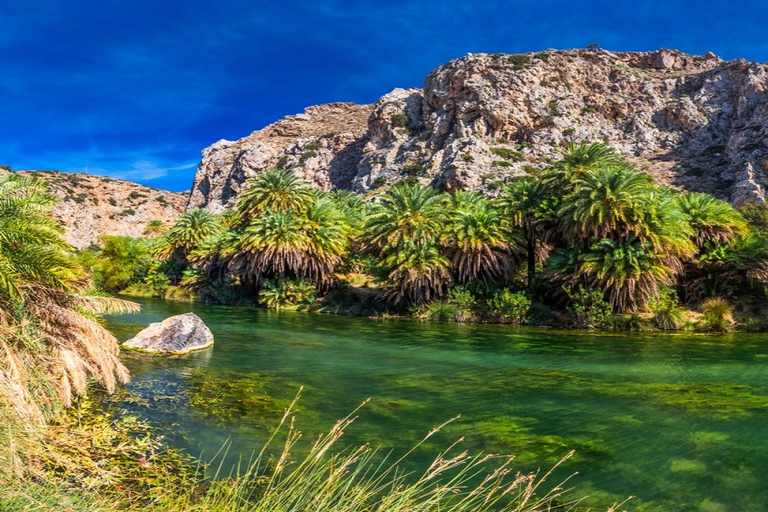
(589, 307)
(439, 311)
(509, 307)
(400, 120)
(465, 303)
(667, 314)
(520, 61)
(539, 314)
(627, 323)
(287, 294)
(123, 261)
(508, 154)
(180, 294)
(717, 315)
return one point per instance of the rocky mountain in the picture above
(694, 122)
(92, 206)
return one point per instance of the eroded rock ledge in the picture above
(694, 122)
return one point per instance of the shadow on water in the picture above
(678, 420)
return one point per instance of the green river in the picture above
(679, 421)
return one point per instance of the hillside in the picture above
(91, 206)
(694, 122)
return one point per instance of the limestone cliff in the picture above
(92, 206)
(694, 122)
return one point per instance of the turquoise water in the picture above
(679, 421)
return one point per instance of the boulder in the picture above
(175, 335)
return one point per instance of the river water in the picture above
(678, 421)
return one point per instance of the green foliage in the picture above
(520, 61)
(287, 294)
(626, 323)
(510, 307)
(31, 246)
(414, 169)
(589, 307)
(465, 302)
(667, 313)
(180, 294)
(440, 311)
(717, 315)
(275, 190)
(189, 231)
(400, 120)
(508, 154)
(122, 262)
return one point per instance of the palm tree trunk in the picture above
(531, 242)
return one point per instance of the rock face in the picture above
(175, 335)
(91, 206)
(694, 122)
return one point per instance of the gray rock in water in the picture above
(175, 335)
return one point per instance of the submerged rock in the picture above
(175, 335)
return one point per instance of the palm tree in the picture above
(190, 230)
(712, 219)
(605, 202)
(528, 204)
(724, 268)
(478, 239)
(419, 273)
(307, 246)
(48, 348)
(628, 272)
(576, 160)
(406, 214)
(273, 243)
(329, 234)
(665, 226)
(276, 190)
(215, 253)
(155, 227)
(31, 246)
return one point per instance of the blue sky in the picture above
(135, 89)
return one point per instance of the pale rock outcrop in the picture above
(91, 206)
(175, 335)
(693, 122)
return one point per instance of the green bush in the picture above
(520, 61)
(667, 314)
(180, 294)
(465, 303)
(508, 154)
(630, 322)
(589, 307)
(123, 261)
(400, 120)
(509, 307)
(439, 311)
(287, 294)
(717, 315)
